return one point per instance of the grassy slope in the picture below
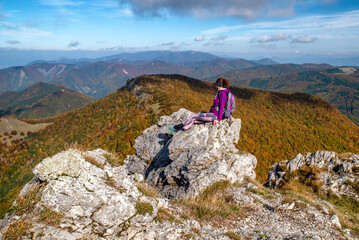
(275, 126)
(9, 125)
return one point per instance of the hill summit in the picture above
(190, 161)
(78, 194)
(274, 126)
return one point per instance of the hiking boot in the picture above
(171, 130)
(178, 127)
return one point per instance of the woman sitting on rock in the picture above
(216, 113)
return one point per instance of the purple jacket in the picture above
(219, 104)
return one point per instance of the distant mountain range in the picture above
(139, 58)
(102, 76)
(270, 71)
(338, 86)
(41, 100)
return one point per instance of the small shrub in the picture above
(111, 182)
(6, 134)
(262, 192)
(214, 201)
(17, 229)
(147, 190)
(300, 205)
(233, 236)
(307, 176)
(165, 216)
(13, 132)
(50, 216)
(144, 207)
(216, 188)
(27, 203)
(114, 159)
(29, 133)
(196, 231)
(288, 199)
(93, 161)
(262, 235)
(354, 185)
(188, 236)
(22, 133)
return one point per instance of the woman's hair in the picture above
(223, 82)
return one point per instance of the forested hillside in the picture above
(275, 126)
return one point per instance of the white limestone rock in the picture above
(190, 161)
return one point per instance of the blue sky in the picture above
(238, 28)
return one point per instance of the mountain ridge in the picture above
(41, 100)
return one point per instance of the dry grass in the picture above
(212, 204)
(93, 161)
(288, 199)
(114, 159)
(305, 185)
(111, 182)
(17, 229)
(346, 155)
(147, 190)
(233, 236)
(307, 176)
(50, 217)
(27, 202)
(260, 190)
(164, 216)
(143, 208)
(8, 124)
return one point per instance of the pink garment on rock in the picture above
(198, 118)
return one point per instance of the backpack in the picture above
(230, 105)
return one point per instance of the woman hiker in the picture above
(216, 113)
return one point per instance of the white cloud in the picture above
(73, 44)
(13, 42)
(221, 37)
(305, 39)
(181, 45)
(22, 32)
(272, 38)
(199, 38)
(279, 9)
(167, 44)
(316, 22)
(210, 8)
(222, 29)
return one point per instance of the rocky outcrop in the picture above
(84, 197)
(337, 174)
(92, 201)
(79, 195)
(190, 161)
